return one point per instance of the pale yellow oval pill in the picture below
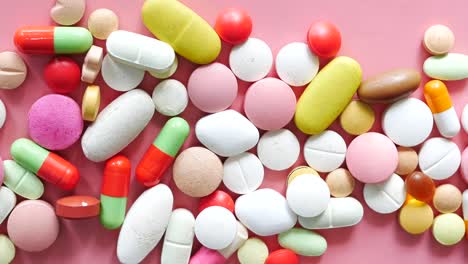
(438, 40)
(447, 198)
(91, 103)
(254, 251)
(416, 217)
(7, 250)
(300, 171)
(340, 182)
(357, 118)
(448, 229)
(102, 22)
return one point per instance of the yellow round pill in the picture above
(91, 103)
(448, 229)
(300, 171)
(416, 217)
(357, 118)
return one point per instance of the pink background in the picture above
(380, 34)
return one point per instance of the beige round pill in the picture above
(357, 118)
(340, 182)
(13, 71)
(91, 103)
(197, 171)
(68, 12)
(102, 22)
(438, 40)
(407, 161)
(447, 198)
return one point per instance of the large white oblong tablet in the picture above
(7, 202)
(170, 97)
(407, 122)
(120, 77)
(215, 227)
(178, 240)
(308, 195)
(278, 149)
(3, 113)
(296, 65)
(439, 158)
(241, 236)
(265, 212)
(341, 212)
(243, 173)
(145, 224)
(325, 152)
(117, 125)
(464, 118)
(226, 133)
(251, 60)
(387, 196)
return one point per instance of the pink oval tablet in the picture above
(55, 122)
(464, 165)
(372, 157)
(212, 88)
(270, 104)
(33, 225)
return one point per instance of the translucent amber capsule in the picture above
(420, 186)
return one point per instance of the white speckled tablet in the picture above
(178, 240)
(3, 113)
(243, 173)
(215, 227)
(251, 60)
(119, 76)
(439, 158)
(8, 202)
(296, 65)
(278, 149)
(385, 197)
(325, 152)
(308, 195)
(170, 97)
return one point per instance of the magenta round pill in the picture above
(372, 157)
(212, 88)
(270, 104)
(464, 165)
(55, 122)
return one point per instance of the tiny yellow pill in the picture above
(448, 229)
(357, 118)
(416, 217)
(300, 171)
(91, 103)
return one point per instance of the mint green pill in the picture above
(21, 181)
(28, 154)
(253, 251)
(112, 212)
(449, 67)
(303, 242)
(172, 136)
(7, 250)
(72, 40)
(448, 229)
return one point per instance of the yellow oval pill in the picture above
(327, 95)
(357, 118)
(189, 35)
(300, 171)
(416, 217)
(91, 103)
(448, 229)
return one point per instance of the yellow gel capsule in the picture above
(448, 229)
(300, 171)
(327, 95)
(188, 34)
(416, 217)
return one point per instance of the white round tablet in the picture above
(119, 76)
(278, 149)
(387, 196)
(170, 97)
(407, 122)
(243, 173)
(308, 195)
(439, 158)
(464, 118)
(251, 60)
(325, 152)
(296, 65)
(3, 113)
(215, 227)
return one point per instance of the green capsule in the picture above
(72, 40)
(28, 154)
(21, 181)
(112, 211)
(303, 242)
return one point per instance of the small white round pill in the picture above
(387, 196)
(170, 97)
(296, 65)
(278, 149)
(119, 76)
(243, 173)
(3, 113)
(308, 195)
(251, 60)
(215, 227)
(325, 152)
(439, 158)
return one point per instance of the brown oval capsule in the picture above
(77, 207)
(389, 86)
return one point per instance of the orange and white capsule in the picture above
(440, 103)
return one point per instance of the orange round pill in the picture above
(447, 198)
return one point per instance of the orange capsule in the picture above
(420, 186)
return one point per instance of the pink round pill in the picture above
(212, 88)
(33, 225)
(270, 104)
(206, 255)
(55, 122)
(372, 157)
(464, 165)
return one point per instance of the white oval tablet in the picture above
(3, 113)
(251, 60)
(243, 173)
(439, 158)
(117, 125)
(278, 149)
(145, 224)
(296, 65)
(265, 212)
(241, 236)
(407, 122)
(8, 202)
(215, 227)
(325, 152)
(226, 133)
(178, 240)
(385, 197)
(170, 97)
(341, 212)
(308, 195)
(119, 76)
(464, 118)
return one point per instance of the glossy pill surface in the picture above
(77, 207)
(233, 25)
(420, 186)
(282, 256)
(324, 39)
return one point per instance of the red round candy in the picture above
(218, 198)
(282, 256)
(324, 39)
(233, 25)
(62, 75)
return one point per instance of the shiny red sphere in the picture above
(324, 39)
(218, 198)
(62, 75)
(233, 25)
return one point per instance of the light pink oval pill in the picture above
(464, 165)
(270, 104)
(372, 157)
(212, 88)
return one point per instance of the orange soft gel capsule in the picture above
(420, 186)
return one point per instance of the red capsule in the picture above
(217, 198)
(116, 177)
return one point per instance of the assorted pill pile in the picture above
(395, 176)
